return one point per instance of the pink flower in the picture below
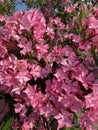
(80, 73)
(71, 102)
(2, 1)
(95, 88)
(46, 70)
(91, 22)
(35, 71)
(64, 118)
(50, 33)
(38, 54)
(22, 73)
(69, 9)
(60, 75)
(34, 20)
(25, 45)
(19, 108)
(3, 51)
(71, 87)
(86, 122)
(41, 50)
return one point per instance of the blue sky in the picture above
(20, 5)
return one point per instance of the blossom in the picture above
(86, 122)
(69, 9)
(25, 45)
(42, 70)
(35, 71)
(71, 102)
(2, 1)
(64, 119)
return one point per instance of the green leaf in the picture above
(81, 16)
(53, 123)
(94, 55)
(7, 125)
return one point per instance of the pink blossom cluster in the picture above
(2, 1)
(45, 78)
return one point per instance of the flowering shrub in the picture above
(49, 69)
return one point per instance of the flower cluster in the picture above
(49, 70)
